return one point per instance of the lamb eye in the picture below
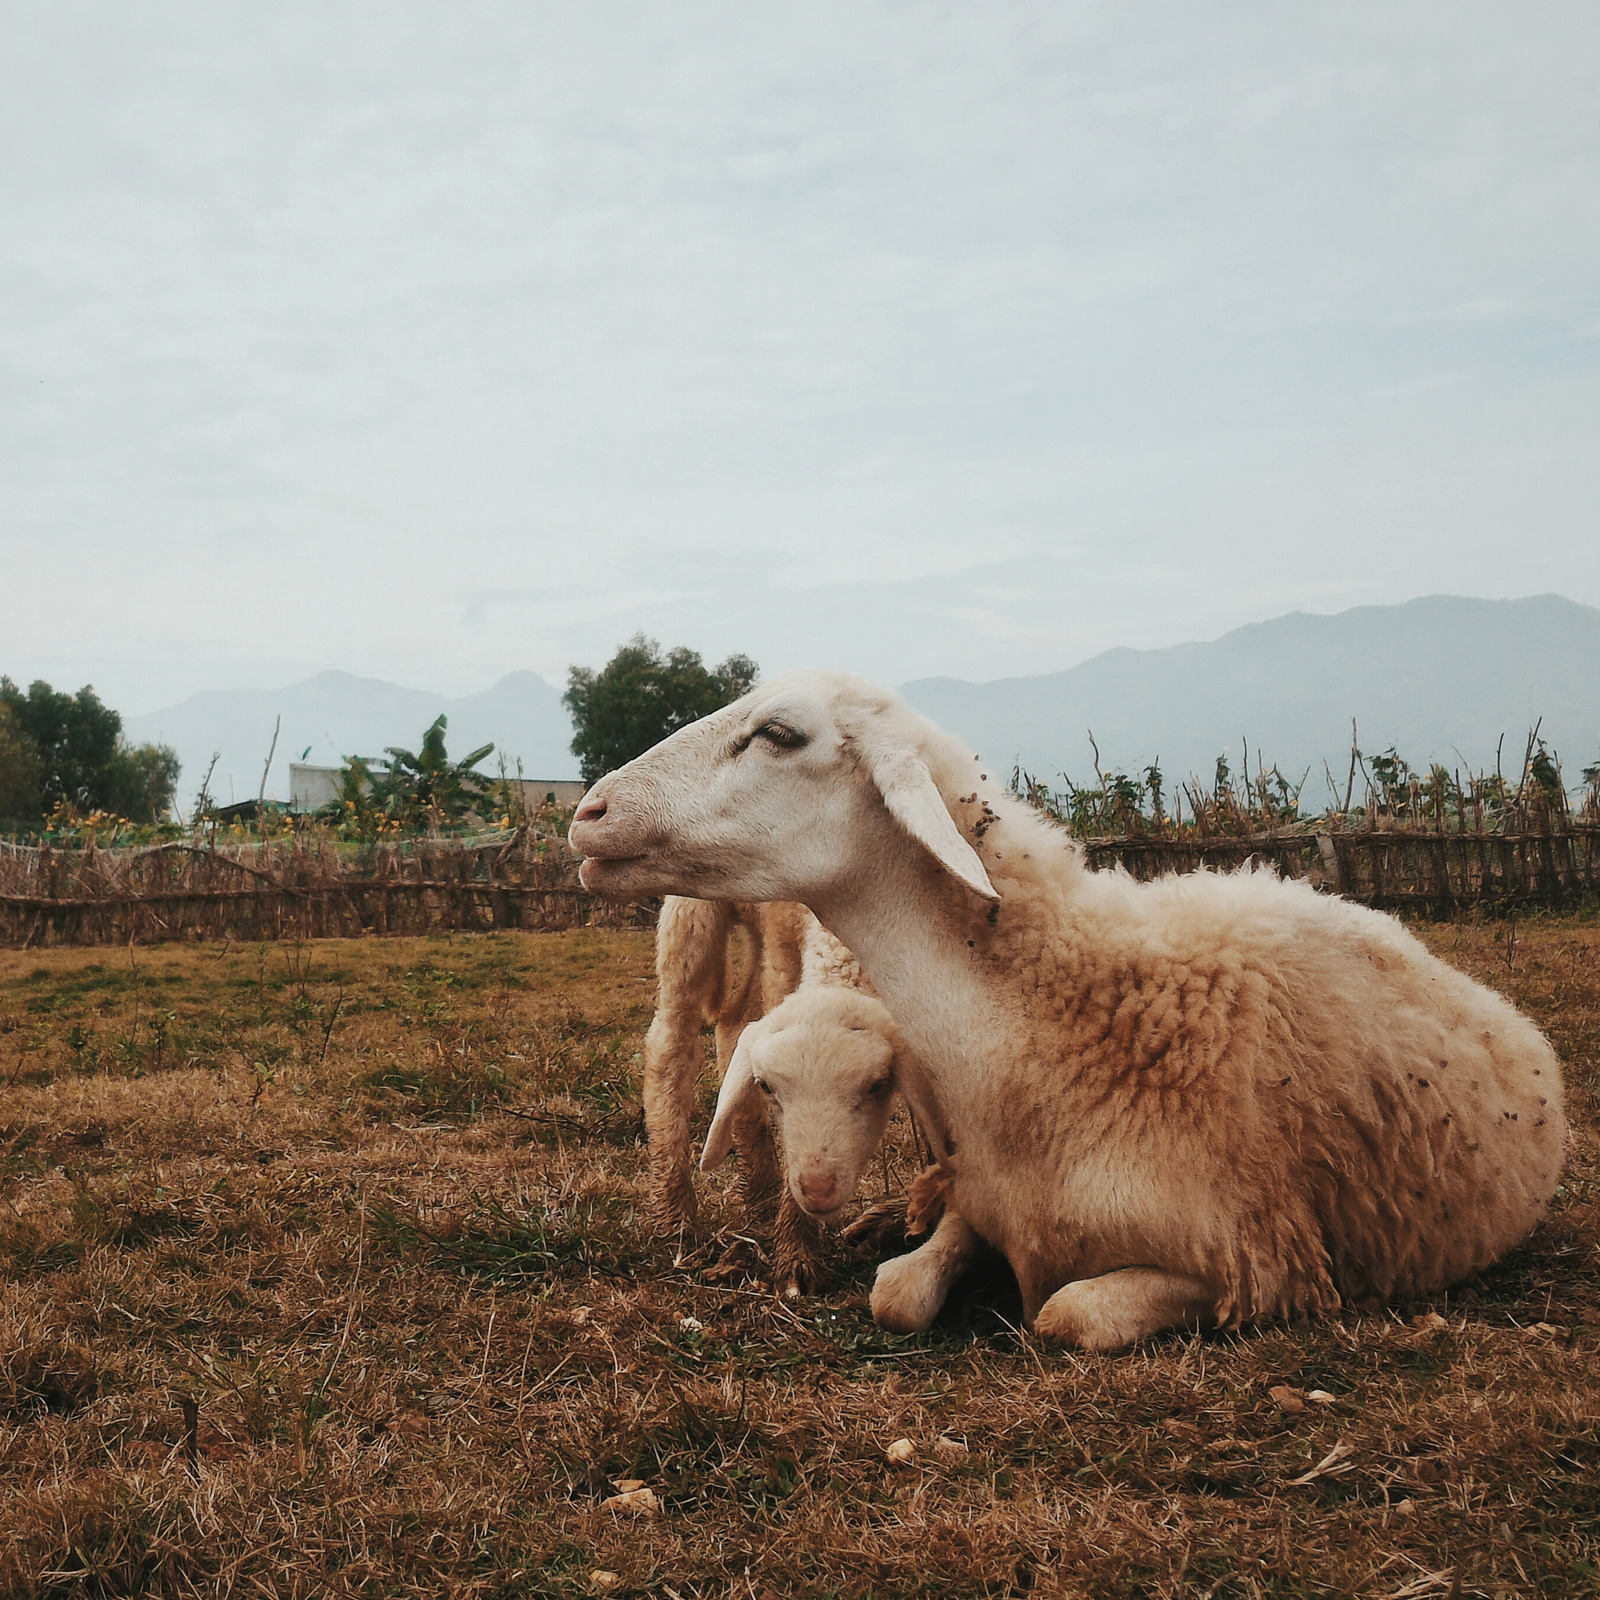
(781, 735)
(879, 1089)
(763, 1086)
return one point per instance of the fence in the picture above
(308, 886)
(305, 886)
(1541, 855)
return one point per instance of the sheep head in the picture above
(806, 784)
(823, 1067)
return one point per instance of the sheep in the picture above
(1207, 1100)
(694, 985)
(823, 1063)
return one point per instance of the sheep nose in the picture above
(590, 811)
(819, 1193)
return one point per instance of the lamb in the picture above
(693, 973)
(1214, 1099)
(789, 952)
(825, 1065)
(693, 979)
(823, 1062)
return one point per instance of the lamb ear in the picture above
(914, 802)
(738, 1089)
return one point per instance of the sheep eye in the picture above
(781, 735)
(763, 1086)
(879, 1089)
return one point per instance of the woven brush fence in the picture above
(308, 886)
(302, 887)
(1538, 855)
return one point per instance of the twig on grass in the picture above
(315, 1401)
(1335, 1464)
(327, 1032)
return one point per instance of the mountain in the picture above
(1440, 678)
(335, 715)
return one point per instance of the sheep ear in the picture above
(738, 1087)
(914, 802)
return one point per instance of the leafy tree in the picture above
(21, 772)
(142, 781)
(76, 737)
(83, 757)
(640, 696)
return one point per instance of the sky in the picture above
(432, 343)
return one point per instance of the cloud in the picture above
(477, 340)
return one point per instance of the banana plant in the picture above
(414, 789)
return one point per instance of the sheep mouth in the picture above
(594, 869)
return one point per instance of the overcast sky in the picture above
(430, 342)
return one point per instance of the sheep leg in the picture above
(910, 1290)
(739, 1008)
(760, 1174)
(691, 967)
(797, 1249)
(671, 1067)
(764, 1196)
(1120, 1308)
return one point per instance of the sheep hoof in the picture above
(906, 1296)
(673, 1211)
(796, 1278)
(1118, 1309)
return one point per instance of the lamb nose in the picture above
(590, 811)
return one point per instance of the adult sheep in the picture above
(699, 981)
(1207, 1099)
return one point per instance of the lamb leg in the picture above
(797, 1249)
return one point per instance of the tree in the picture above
(21, 772)
(83, 757)
(75, 735)
(640, 696)
(142, 781)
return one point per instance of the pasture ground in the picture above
(321, 1274)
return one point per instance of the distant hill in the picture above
(1440, 678)
(336, 715)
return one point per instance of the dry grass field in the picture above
(321, 1273)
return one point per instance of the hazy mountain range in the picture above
(1440, 678)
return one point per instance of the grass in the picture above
(367, 1213)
